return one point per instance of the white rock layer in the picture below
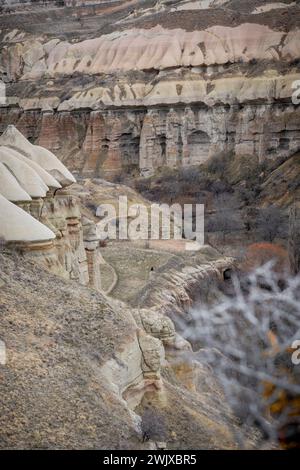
(16, 225)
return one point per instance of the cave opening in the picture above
(130, 151)
(284, 143)
(162, 142)
(179, 150)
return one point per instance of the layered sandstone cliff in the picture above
(165, 84)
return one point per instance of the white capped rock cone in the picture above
(13, 138)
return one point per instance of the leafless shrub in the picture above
(250, 218)
(294, 238)
(220, 187)
(247, 338)
(118, 178)
(92, 206)
(153, 425)
(249, 194)
(271, 223)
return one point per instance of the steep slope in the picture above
(58, 335)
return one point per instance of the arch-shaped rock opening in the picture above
(198, 144)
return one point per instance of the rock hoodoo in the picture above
(38, 213)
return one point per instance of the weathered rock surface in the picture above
(78, 367)
(58, 336)
(13, 139)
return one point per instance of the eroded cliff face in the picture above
(155, 84)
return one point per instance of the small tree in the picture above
(225, 222)
(219, 187)
(142, 185)
(259, 254)
(249, 195)
(249, 219)
(218, 163)
(153, 425)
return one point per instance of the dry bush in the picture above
(2, 244)
(153, 425)
(218, 163)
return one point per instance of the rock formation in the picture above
(166, 84)
(294, 237)
(45, 219)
